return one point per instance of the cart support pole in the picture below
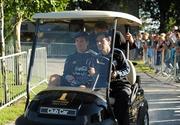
(127, 31)
(31, 63)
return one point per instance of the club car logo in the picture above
(58, 111)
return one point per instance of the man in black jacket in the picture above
(121, 70)
(121, 107)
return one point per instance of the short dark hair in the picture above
(101, 25)
(81, 34)
(106, 35)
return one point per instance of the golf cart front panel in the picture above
(67, 107)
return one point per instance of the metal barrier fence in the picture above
(53, 49)
(12, 88)
(168, 65)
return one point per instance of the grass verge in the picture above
(141, 67)
(10, 113)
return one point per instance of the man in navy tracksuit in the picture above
(76, 70)
(79, 67)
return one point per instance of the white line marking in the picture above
(160, 121)
(164, 99)
(162, 109)
(177, 111)
(164, 102)
(160, 90)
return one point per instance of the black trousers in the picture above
(121, 106)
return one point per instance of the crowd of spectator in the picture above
(159, 51)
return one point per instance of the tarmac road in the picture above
(163, 98)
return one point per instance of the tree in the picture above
(167, 14)
(2, 54)
(2, 43)
(19, 10)
(96, 4)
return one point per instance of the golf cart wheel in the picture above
(20, 120)
(23, 121)
(138, 79)
(143, 116)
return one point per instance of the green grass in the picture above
(14, 90)
(10, 113)
(141, 67)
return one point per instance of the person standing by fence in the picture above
(148, 53)
(139, 49)
(160, 48)
(167, 51)
(144, 44)
(155, 43)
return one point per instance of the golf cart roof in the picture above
(90, 15)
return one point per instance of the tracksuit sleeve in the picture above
(123, 67)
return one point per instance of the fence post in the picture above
(4, 76)
(175, 66)
(45, 62)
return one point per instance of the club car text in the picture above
(58, 111)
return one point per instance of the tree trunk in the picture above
(17, 35)
(18, 66)
(2, 53)
(2, 44)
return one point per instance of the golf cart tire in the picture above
(138, 79)
(143, 116)
(21, 121)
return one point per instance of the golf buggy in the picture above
(80, 104)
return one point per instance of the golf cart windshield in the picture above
(73, 52)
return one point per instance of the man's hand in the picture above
(54, 80)
(82, 86)
(70, 78)
(113, 75)
(129, 38)
(91, 71)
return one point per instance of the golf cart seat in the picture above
(130, 83)
(131, 77)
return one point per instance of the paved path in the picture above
(163, 99)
